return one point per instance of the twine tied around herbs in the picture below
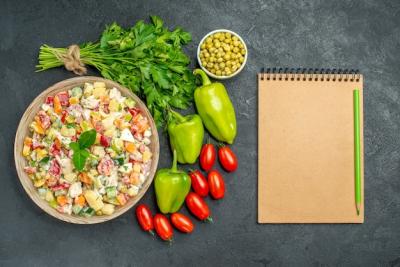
(72, 60)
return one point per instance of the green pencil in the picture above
(357, 149)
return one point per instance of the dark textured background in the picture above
(340, 34)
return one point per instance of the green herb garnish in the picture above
(86, 139)
(119, 160)
(70, 125)
(80, 148)
(147, 58)
(74, 146)
(44, 160)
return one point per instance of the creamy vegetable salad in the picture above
(118, 162)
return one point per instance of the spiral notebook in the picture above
(306, 169)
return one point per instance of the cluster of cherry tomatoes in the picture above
(213, 185)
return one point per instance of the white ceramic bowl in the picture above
(238, 70)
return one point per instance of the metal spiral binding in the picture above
(304, 74)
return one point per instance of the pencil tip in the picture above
(358, 212)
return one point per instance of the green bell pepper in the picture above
(215, 109)
(171, 186)
(186, 136)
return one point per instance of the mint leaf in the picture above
(74, 146)
(81, 153)
(87, 139)
(85, 153)
(79, 159)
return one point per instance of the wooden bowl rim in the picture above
(26, 181)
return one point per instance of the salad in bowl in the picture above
(89, 150)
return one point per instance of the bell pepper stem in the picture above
(176, 115)
(203, 75)
(174, 162)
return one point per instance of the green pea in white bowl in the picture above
(222, 54)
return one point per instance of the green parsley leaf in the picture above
(157, 21)
(147, 58)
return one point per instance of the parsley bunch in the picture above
(147, 58)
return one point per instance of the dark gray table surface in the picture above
(335, 34)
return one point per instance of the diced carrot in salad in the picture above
(84, 178)
(119, 160)
(57, 105)
(80, 200)
(130, 147)
(62, 200)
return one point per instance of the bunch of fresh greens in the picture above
(80, 148)
(147, 58)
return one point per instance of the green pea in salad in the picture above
(88, 151)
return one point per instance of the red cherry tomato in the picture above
(64, 114)
(145, 218)
(182, 223)
(105, 141)
(49, 100)
(207, 156)
(163, 227)
(199, 183)
(197, 206)
(216, 184)
(227, 158)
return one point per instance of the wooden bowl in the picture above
(23, 130)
